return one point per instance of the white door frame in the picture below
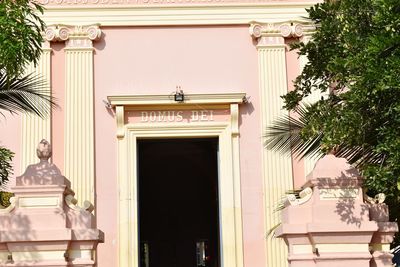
(230, 212)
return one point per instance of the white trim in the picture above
(20, 256)
(109, 15)
(335, 248)
(229, 182)
(81, 254)
(230, 212)
(38, 202)
(329, 248)
(121, 102)
(135, 100)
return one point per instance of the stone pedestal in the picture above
(329, 225)
(43, 226)
(380, 243)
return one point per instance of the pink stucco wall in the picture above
(154, 61)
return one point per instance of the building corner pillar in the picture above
(277, 169)
(79, 105)
(35, 128)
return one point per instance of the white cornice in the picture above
(135, 100)
(176, 15)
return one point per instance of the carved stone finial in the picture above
(44, 172)
(44, 150)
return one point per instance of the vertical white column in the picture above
(79, 111)
(35, 128)
(277, 169)
(236, 185)
(127, 214)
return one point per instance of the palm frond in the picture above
(358, 155)
(28, 93)
(284, 135)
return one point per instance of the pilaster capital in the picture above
(274, 33)
(73, 35)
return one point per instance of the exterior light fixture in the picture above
(179, 95)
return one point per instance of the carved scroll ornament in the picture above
(305, 195)
(71, 33)
(281, 29)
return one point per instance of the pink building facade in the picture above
(168, 176)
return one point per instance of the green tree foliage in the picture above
(21, 38)
(5, 163)
(20, 35)
(355, 56)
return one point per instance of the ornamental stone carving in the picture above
(44, 150)
(286, 29)
(332, 224)
(74, 36)
(304, 196)
(43, 226)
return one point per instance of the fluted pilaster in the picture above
(277, 169)
(35, 128)
(79, 107)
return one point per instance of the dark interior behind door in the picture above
(178, 203)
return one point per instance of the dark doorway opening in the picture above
(178, 202)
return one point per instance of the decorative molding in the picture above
(273, 33)
(277, 169)
(136, 100)
(122, 102)
(236, 182)
(229, 182)
(38, 202)
(120, 116)
(305, 195)
(229, 166)
(49, 4)
(72, 202)
(11, 207)
(79, 105)
(80, 254)
(125, 15)
(62, 33)
(235, 119)
(378, 199)
(283, 29)
(298, 249)
(31, 256)
(35, 128)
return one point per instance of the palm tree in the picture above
(300, 136)
(18, 94)
(28, 93)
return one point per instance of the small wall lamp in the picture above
(179, 95)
